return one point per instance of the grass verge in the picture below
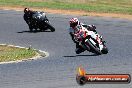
(11, 53)
(102, 6)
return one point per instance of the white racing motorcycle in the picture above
(91, 41)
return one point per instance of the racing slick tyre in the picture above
(104, 50)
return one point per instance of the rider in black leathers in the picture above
(31, 18)
(28, 17)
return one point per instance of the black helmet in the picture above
(26, 10)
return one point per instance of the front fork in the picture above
(84, 45)
(95, 42)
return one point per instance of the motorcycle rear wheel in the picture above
(49, 26)
(104, 51)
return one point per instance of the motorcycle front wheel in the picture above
(93, 48)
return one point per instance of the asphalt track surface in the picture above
(59, 69)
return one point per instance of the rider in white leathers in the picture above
(75, 27)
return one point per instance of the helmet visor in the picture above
(73, 24)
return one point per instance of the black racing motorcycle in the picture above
(40, 22)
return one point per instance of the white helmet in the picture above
(73, 22)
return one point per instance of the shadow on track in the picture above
(33, 31)
(82, 55)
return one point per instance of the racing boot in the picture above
(79, 50)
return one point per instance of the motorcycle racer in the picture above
(75, 28)
(28, 17)
(31, 17)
